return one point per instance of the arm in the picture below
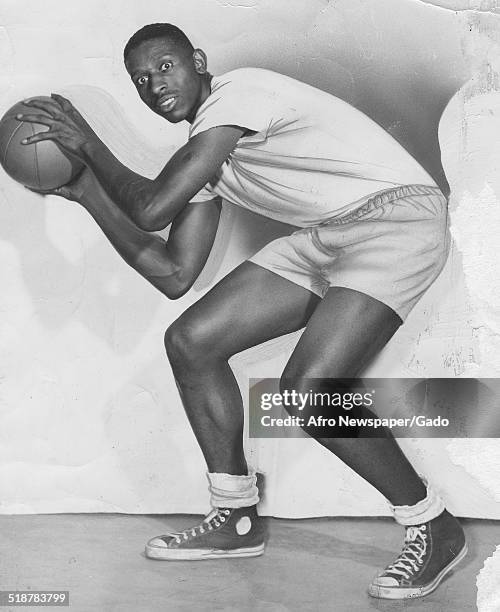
(171, 266)
(151, 204)
(187, 248)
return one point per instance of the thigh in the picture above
(247, 307)
(342, 336)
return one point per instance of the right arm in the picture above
(170, 265)
(152, 204)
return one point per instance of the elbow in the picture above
(179, 287)
(154, 215)
(174, 294)
(149, 222)
(178, 291)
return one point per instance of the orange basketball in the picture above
(42, 165)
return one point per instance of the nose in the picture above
(159, 84)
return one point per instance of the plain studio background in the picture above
(90, 418)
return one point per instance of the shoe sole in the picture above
(381, 592)
(197, 554)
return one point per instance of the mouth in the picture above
(167, 103)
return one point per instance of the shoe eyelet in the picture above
(424, 527)
(227, 512)
(216, 523)
(222, 519)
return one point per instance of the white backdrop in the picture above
(90, 418)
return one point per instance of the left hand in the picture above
(82, 185)
(66, 125)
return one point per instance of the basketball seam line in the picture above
(10, 140)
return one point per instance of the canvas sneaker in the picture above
(430, 551)
(223, 533)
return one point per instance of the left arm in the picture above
(171, 266)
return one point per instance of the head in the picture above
(169, 74)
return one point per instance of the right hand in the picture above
(66, 125)
(79, 186)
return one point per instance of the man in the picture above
(372, 238)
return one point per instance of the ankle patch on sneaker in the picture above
(233, 491)
(244, 525)
(422, 512)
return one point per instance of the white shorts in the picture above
(392, 248)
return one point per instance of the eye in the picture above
(142, 80)
(165, 66)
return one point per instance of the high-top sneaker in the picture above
(224, 532)
(430, 551)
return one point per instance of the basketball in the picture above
(42, 165)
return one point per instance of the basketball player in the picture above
(372, 238)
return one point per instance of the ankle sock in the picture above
(233, 491)
(422, 512)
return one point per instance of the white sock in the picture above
(422, 512)
(233, 491)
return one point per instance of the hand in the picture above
(66, 125)
(80, 186)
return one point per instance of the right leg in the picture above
(246, 308)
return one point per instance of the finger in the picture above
(68, 107)
(43, 119)
(63, 102)
(49, 106)
(39, 137)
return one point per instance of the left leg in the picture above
(345, 332)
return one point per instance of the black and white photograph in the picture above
(250, 306)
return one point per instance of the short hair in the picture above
(158, 30)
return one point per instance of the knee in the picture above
(297, 377)
(311, 389)
(292, 383)
(185, 341)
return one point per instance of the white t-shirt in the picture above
(313, 156)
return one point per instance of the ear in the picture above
(200, 61)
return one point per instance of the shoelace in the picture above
(415, 547)
(213, 519)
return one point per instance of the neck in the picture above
(205, 92)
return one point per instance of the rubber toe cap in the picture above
(159, 541)
(385, 581)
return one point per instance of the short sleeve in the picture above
(241, 97)
(204, 195)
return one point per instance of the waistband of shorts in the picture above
(380, 198)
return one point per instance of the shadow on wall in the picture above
(94, 287)
(398, 61)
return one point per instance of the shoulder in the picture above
(247, 79)
(252, 98)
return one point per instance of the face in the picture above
(169, 79)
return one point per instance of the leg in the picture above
(248, 307)
(345, 332)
